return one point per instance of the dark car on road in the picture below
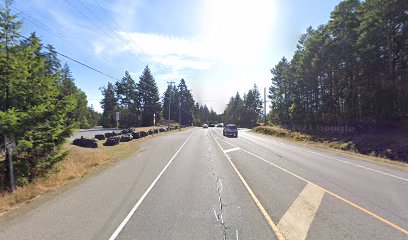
(230, 130)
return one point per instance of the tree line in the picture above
(351, 70)
(40, 103)
(245, 111)
(137, 103)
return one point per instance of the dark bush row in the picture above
(86, 142)
(125, 135)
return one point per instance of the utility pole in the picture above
(180, 112)
(117, 120)
(154, 121)
(264, 105)
(9, 144)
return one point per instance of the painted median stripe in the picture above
(296, 222)
(231, 149)
(123, 223)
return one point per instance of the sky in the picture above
(219, 47)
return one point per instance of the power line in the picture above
(49, 30)
(106, 30)
(44, 27)
(77, 61)
(129, 38)
(85, 65)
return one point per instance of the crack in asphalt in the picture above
(219, 213)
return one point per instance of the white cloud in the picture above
(166, 52)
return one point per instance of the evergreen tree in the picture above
(127, 96)
(234, 110)
(354, 69)
(169, 103)
(252, 107)
(39, 106)
(79, 116)
(186, 102)
(148, 97)
(109, 105)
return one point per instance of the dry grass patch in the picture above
(77, 164)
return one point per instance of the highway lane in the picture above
(198, 197)
(380, 189)
(94, 208)
(198, 184)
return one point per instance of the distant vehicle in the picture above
(230, 130)
(205, 125)
(220, 125)
(212, 125)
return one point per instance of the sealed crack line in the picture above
(219, 213)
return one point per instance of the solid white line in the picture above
(122, 225)
(336, 159)
(231, 149)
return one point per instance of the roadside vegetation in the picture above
(245, 111)
(40, 104)
(352, 70)
(138, 102)
(347, 84)
(79, 162)
(391, 144)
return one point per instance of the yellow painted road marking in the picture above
(389, 223)
(296, 222)
(257, 202)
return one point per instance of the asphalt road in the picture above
(198, 184)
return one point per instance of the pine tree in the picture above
(167, 100)
(148, 97)
(351, 70)
(126, 92)
(252, 107)
(109, 105)
(186, 103)
(79, 116)
(37, 102)
(234, 111)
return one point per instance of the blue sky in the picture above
(218, 46)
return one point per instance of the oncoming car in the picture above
(205, 125)
(230, 130)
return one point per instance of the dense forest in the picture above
(39, 106)
(245, 111)
(138, 102)
(352, 70)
